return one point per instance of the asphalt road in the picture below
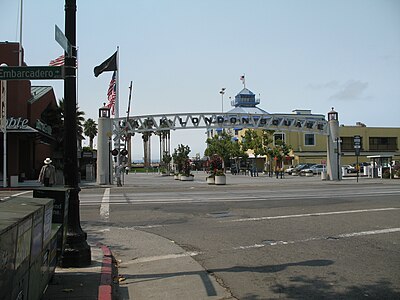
(267, 238)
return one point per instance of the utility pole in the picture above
(77, 251)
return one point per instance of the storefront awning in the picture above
(26, 129)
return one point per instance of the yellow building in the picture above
(311, 148)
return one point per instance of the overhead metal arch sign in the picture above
(309, 123)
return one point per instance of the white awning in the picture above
(26, 129)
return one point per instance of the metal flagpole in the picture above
(20, 36)
(77, 77)
(116, 105)
(116, 115)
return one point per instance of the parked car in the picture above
(300, 167)
(315, 169)
(349, 169)
(290, 170)
(362, 165)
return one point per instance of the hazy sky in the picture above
(313, 54)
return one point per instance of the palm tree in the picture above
(148, 123)
(79, 117)
(90, 130)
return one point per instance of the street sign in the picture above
(31, 73)
(62, 40)
(357, 144)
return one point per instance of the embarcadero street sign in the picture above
(32, 73)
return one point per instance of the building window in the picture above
(309, 139)
(383, 144)
(279, 137)
(348, 143)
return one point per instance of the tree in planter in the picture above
(180, 156)
(186, 168)
(216, 166)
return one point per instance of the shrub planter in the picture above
(210, 180)
(176, 176)
(187, 178)
(220, 180)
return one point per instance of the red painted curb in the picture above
(105, 292)
(105, 288)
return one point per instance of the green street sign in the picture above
(31, 73)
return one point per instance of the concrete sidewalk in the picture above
(153, 267)
(98, 281)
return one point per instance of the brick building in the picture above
(29, 136)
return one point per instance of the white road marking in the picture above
(160, 257)
(22, 193)
(121, 200)
(312, 214)
(105, 205)
(345, 235)
(15, 195)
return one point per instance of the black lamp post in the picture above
(77, 251)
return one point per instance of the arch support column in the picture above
(333, 147)
(104, 143)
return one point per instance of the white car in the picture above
(349, 169)
(290, 170)
(315, 169)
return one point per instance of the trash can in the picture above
(324, 175)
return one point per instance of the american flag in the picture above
(59, 61)
(112, 94)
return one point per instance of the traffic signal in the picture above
(124, 152)
(114, 152)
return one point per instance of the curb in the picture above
(105, 291)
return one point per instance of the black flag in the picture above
(109, 64)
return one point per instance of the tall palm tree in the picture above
(148, 123)
(90, 130)
(80, 119)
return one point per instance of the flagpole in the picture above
(116, 115)
(77, 78)
(116, 108)
(20, 36)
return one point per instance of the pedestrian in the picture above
(47, 175)
(126, 170)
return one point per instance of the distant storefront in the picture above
(30, 134)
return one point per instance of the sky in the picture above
(295, 54)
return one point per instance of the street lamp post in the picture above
(222, 92)
(77, 251)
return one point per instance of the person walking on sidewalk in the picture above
(47, 175)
